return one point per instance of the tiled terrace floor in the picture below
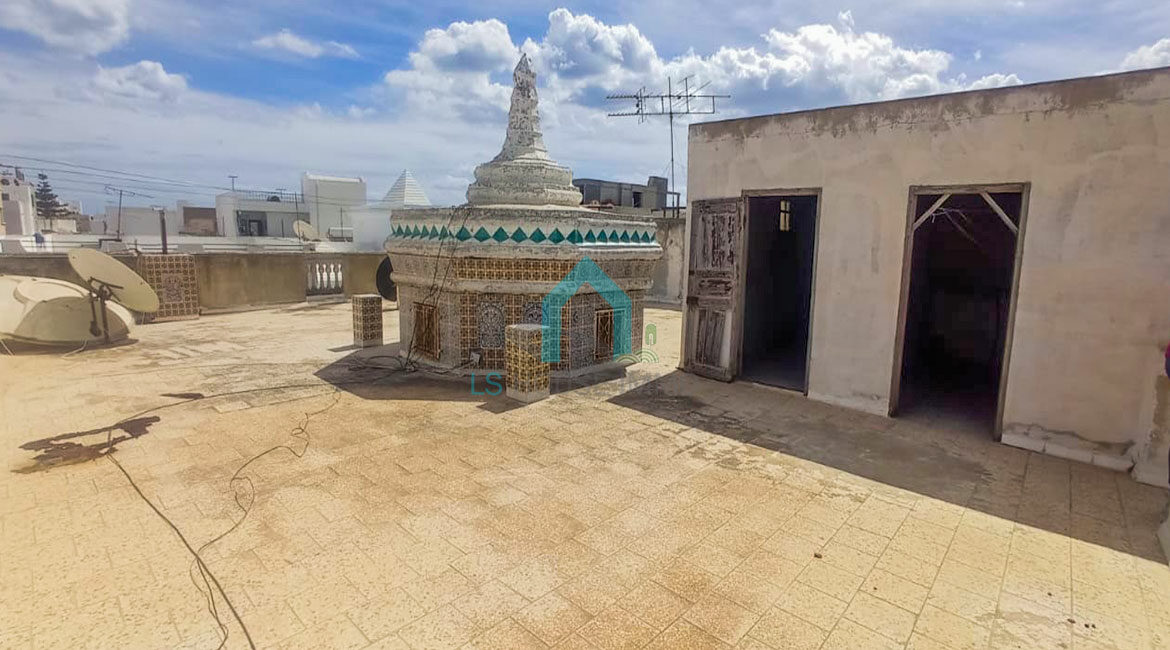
(658, 510)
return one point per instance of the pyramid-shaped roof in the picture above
(406, 193)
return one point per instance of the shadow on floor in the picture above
(955, 467)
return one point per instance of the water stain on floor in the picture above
(62, 450)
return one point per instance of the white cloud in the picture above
(145, 80)
(86, 27)
(286, 42)
(481, 46)
(1148, 56)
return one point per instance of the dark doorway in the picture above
(958, 306)
(781, 238)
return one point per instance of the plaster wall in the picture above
(668, 271)
(1093, 312)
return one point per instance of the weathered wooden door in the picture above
(712, 288)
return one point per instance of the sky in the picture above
(192, 92)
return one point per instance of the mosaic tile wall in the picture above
(482, 328)
(367, 320)
(518, 270)
(173, 278)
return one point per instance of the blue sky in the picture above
(268, 89)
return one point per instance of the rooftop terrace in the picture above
(653, 509)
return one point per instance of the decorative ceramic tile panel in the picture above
(173, 278)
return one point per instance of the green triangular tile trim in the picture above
(414, 232)
(625, 238)
(591, 238)
(499, 235)
(434, 232)
(482, 235)
(613, 237)
(602, 238)
(519, 235)
(575, 236)
(444, 233)
(555, 236)
(537, 236)
(464, 234)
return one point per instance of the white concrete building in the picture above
(994, 258)
(133, 221)
(325, 202)
(19, 208)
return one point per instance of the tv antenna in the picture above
(688, 101)
(110, 189)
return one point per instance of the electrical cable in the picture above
(206, 576)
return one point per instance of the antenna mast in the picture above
(110, 189)
(670, 104)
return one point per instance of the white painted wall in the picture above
(136, 221)
(332, 199)
(1093, 314)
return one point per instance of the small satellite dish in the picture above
(306, 231)
(109, 279)
(382, 280)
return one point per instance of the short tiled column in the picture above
(367, 320)
(173, 278)
(527, 373)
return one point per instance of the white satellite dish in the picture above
(43, 311)
(109, 279)
(306, 231)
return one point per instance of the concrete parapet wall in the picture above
(227, 280)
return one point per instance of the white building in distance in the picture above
(325, 202)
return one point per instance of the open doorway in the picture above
(781, 238)
(958, 307)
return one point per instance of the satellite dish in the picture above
(109, 279)
(305, 230)
(382, 279)
(44, 311)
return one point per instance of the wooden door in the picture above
(712, 302)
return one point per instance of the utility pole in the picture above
(670, 104)
(110, 189)
(233, 177)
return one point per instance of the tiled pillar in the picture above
(367, 320)
(527, 373)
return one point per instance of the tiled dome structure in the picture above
(465, 273)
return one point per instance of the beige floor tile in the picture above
(956, 600)
(953, 630)
(847, 558)
(617, 629)
(387, 614)
(684, 635)
(880, 616)
(506, 635)
(749, 589)
(861, 540)
(721, 618)
(783, 631)
(490, 604)
(896, 590)
(879, 517)
(905, 566)
(814, 606)
(552, 618)
(443, 628)
(852, 636)
(831, 580)
(533, 579)
(686, 579)
(654, 604)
